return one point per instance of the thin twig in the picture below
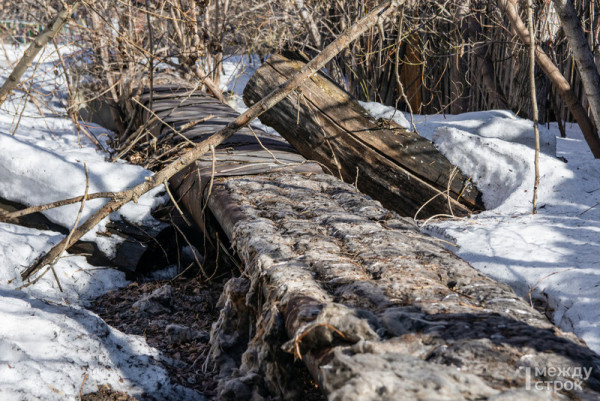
(166, 184)
(7, 216)
(534, 107)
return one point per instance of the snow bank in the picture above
(49, 352)
(45, 158)
(81, 282)
(500, 124)
(551, 256)
(379, 111)
(50, 347)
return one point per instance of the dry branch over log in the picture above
(395, 166)
(382, 12)
(336, 284)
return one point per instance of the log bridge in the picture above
(337, 285)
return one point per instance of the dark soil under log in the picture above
(193, 306)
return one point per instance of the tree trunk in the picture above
(558, 80)
(582, 54)
(309, 23)
(395, 166)
(534, 108)
(485, 63)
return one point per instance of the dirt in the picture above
(192, 305)
(105, 393)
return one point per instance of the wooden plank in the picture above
(322, 115)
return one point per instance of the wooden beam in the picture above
(389, 163)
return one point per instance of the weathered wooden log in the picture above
(389, 163)
(370, 306)
(250, 151)
(375, 309)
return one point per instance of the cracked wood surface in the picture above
(393, 165)
(373, 309)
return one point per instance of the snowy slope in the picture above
(51, 348)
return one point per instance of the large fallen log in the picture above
(336, 283)
(393, 165)
(375, 310)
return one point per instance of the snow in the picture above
(237, 71)
(551, 256)
(51, 347)
(20, 246)
(50, 352)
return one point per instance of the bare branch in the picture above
(382, 12)
(42, 40)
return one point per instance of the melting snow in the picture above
(552, 255)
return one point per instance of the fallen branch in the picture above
(40, 41)
(8, 216)
(379, 13)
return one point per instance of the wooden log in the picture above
(374, 309)
(356, 294)
(250, 151)
(391, 164)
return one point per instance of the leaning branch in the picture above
(40, 41)
(584, 58)
(379, 13)
(558, 80)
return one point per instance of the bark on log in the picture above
(374, 309)
(391, 164)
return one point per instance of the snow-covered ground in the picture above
(51, 347)
(553, 255)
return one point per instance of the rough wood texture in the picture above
(394, 165)
(375, 309)
(337, 284)
(250, 151)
